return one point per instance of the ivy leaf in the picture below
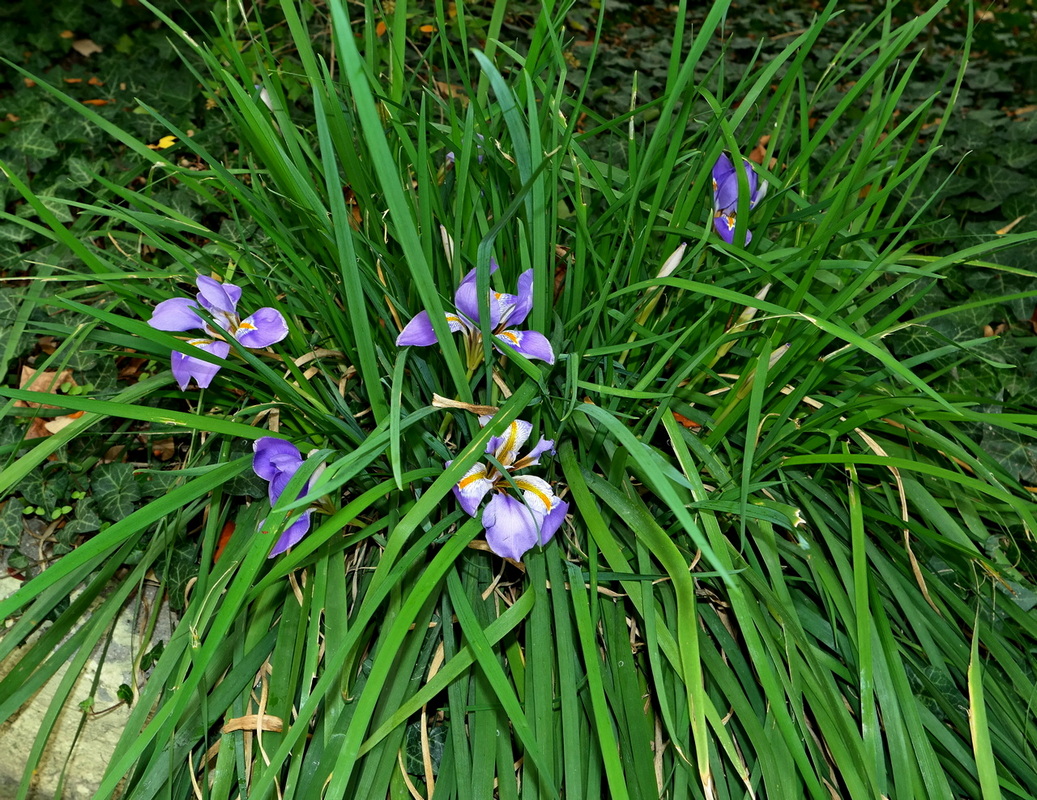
(115, 490)
(56, 206)
(47, 491)
(11, 525)
(158, 483)
(78, 172)
(10, 232)
(1016, 455)
(9, 302)
(86, 520)
(437, 737)
(30, 141)
(179, 567)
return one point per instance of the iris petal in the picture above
(269, 452)
(506, 446)
(511, 529)
(466, 300)
(418, 332)
(262, 329)
(531, 344)
(216, 296)
(292, 534)
(539, 495)
(550, 524)
(176, 314)
(523, 300)
(472, 488)
(186, 367)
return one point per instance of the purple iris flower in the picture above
(725, 195)
(450, 158)
(513, 526)
(506, 311)
(277, 461)
(262, 329)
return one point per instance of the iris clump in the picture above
(513, 526)
(276, 461)
(725, 195)
(506, 312)
(260, 329)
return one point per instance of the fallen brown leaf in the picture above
(253, 722)
(451, 90)
(687, 423)
(163, 449)
(35, 381)
(760, 151)
(48, 382)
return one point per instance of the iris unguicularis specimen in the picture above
(506, 311)
(261, 329)
(276, 461)
(512, 526)
(725, 195)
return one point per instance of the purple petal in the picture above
(529, 343)
(511, 528)
(293, 534)
(466, 299)
(417, 332)
(266, 449)
(523, 301)
(216, 296)
(472, 488)
(543, 446)
(176, 314)
(186, 367)
(725, 184)
(723, 171)
(264, 328)
(285, 466)
(758, 193)
(725, 225)
(552, 521)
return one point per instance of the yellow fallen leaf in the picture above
(163, 143)
(1009, 226)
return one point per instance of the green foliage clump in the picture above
(792, 565)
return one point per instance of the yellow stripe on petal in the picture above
(539, 488)
(477, 473)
